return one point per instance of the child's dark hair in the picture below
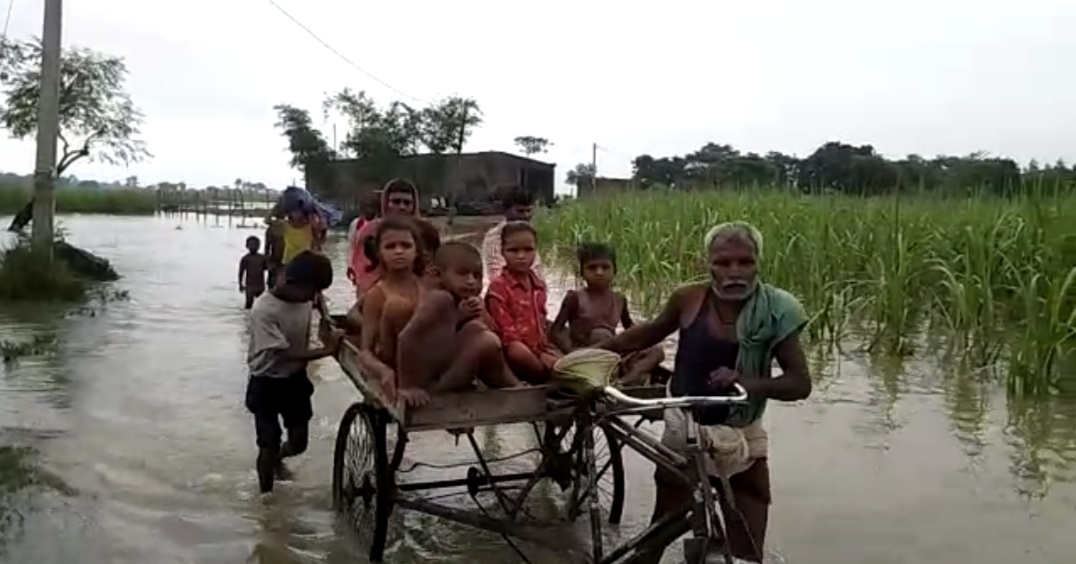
(513, 227)
(394, 223)
(455, 250)
(588, 252)
(310, 269)
(516, 196)
(399, 186)
(254, 240)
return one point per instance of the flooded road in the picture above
(129, 443)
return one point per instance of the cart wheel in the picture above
(609, 464)
(362, 482)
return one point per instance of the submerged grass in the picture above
(996, 278)
(117, 202)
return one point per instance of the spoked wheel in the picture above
(362, 478)
(608, 467)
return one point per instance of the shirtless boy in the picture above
(396, 250)
(592, 314)
(448, 341)
(252, 269)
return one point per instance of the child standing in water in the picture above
(252, 270)
(448, 342)
(516, 299)
(592, 314)
(396, 251)
(278, 388)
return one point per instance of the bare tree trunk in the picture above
(22, 219)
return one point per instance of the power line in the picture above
(337, 53)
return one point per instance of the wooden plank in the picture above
(480, 408)
(449, 411)
(370, 388)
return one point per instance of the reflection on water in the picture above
(127, 442)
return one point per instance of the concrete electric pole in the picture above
(48, 128)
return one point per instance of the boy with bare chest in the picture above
(590, 316)
(448, 343)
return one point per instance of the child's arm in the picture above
(497, 305)
(569, 308)
(242, 272)
(270, 333)
(625, 316)
(372, 305)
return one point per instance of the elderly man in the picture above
(731, 328)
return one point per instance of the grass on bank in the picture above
(26, 275)
(995, 277)
(115, 202)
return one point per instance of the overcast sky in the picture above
(908, 76)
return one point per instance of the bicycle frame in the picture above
(700, 517)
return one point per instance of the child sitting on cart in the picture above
(396, 249)
(448, 341)
(591, 314)
(516, 300)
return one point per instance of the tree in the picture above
(98, 120)
(581, 175)
(532, 145)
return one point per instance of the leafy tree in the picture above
(309, 150)
(532, 145)
(307, 144)
(581, 175)
(98, 120)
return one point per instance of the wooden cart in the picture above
(579, 450)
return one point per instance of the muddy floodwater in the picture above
(127, 442)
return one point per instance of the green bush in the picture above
(26, 274)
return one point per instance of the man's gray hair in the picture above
(733, 230)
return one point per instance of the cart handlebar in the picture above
(680, 401)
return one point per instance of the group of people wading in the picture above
(426, 327)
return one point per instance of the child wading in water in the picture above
(516, 300)
(252, 269)
(278, 388)
(592, 314)
(448, 342)
(395, 249)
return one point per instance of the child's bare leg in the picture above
(640, 365)
(493, 369)
(599, 335)
(478, 353)
(427, 356)
(525, 364)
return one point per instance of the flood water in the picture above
(129, 442)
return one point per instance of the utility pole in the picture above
(594, 167)
(48, 128)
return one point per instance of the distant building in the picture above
(589, 187)
(469, 180)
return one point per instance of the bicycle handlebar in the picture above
(681, 401)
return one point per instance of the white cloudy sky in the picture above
(923, 76)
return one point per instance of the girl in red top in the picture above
(516, 300)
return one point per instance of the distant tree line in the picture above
(839, 167)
